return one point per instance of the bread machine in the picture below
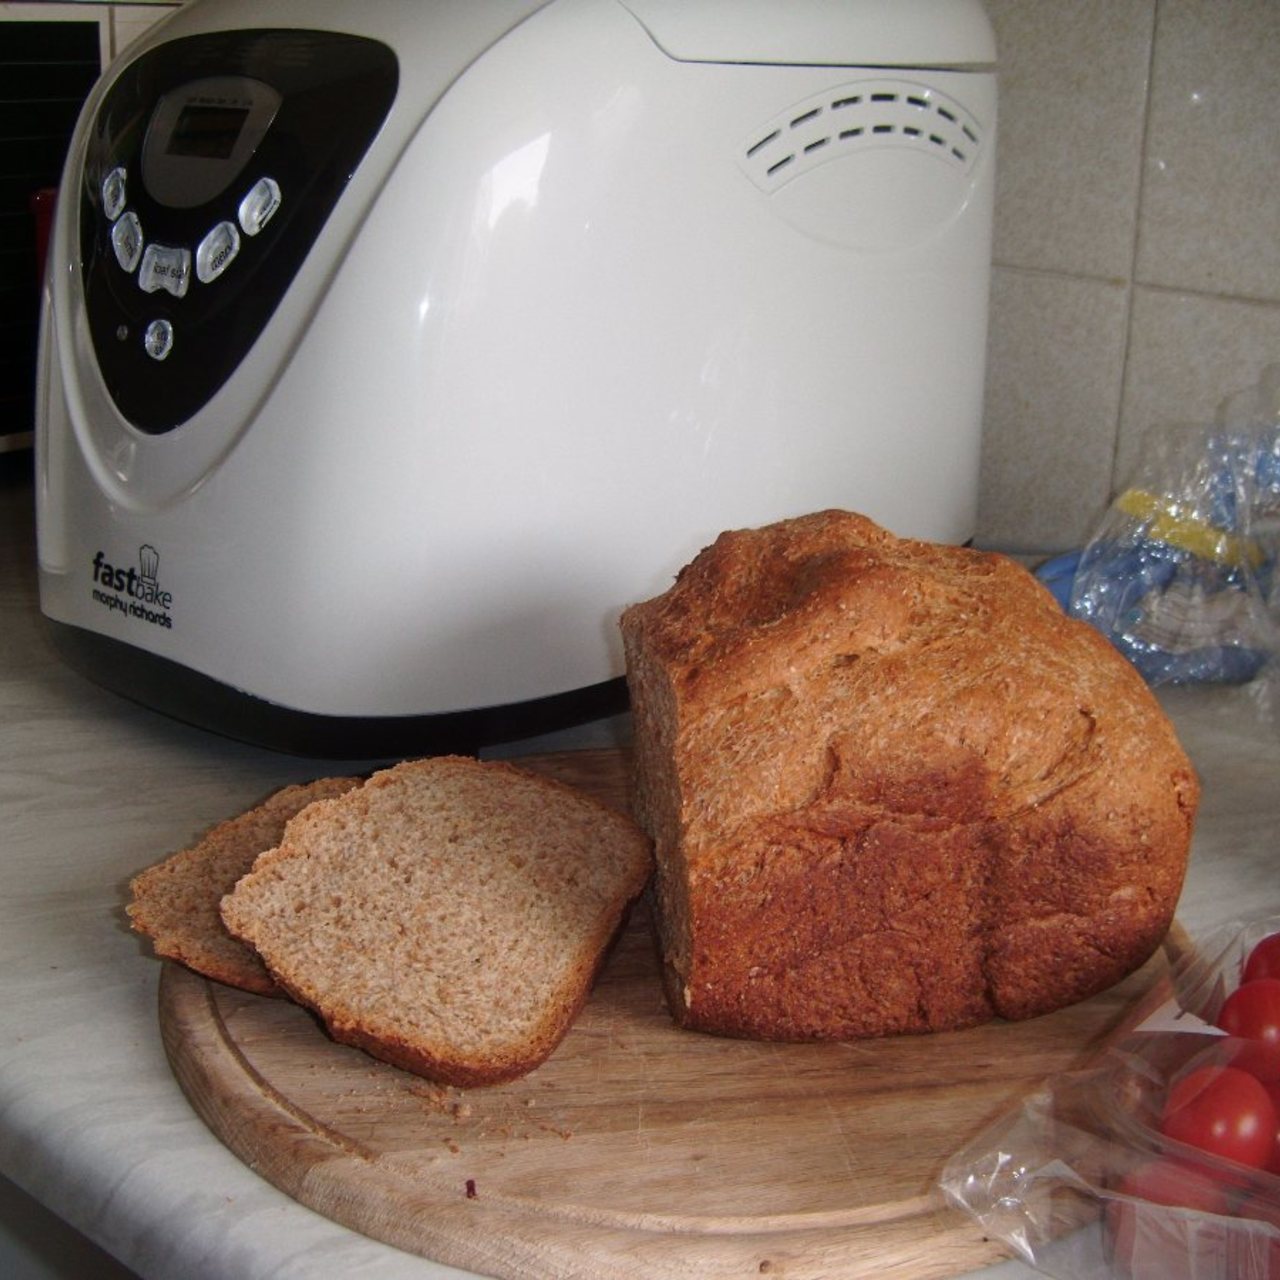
(389, 349)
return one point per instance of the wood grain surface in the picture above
(638, 1150)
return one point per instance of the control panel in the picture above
(214, 162)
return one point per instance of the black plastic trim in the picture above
(336, 92)
(196, 699)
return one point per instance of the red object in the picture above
(42, 205)
(1224, 1111)
(1252, 1011)
(1263, 960)
(1273, 1162)
(1148, 1244)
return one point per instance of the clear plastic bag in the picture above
(1183, 574)
(1075, 1181)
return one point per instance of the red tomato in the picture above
(1224, 1111)
(1264, 960)
(1149, 1243)
(1164, 1180)
(1254, 1056)
(1252, 1011)
(1259, 1058)
(1273, 1162)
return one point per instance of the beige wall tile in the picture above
(1073, 81)
(1187, 352)
(1055, 364)
(1210, 213)
(130, 21)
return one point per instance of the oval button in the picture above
(126, 241)
(114, 193)
(216, 252)
(259, 205)
(157, 341)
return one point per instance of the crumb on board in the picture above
(441, 1100)
(565, 1134)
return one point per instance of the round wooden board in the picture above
(638, 1149)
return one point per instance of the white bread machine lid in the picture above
(856, 33)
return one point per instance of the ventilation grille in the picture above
(863, 115)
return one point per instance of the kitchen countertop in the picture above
(94, 788)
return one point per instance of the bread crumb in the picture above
(441, 1100)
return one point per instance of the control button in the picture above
(165, 268)
(216, 250)
(259, 206)
(157, 341)
(114, 194)
(126, 240)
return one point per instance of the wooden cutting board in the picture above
(638, 1150)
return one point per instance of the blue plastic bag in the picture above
(1182, 574)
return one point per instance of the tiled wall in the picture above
(1136, 275)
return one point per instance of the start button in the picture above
(157, 341)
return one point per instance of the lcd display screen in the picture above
(209, 132)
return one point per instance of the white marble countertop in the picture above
(93, 788)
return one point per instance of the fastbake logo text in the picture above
(135, 591)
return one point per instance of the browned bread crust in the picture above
(175, 902)
(893, 788)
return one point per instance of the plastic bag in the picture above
(1072, 1181)
(1183, 575)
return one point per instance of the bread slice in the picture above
(448, 917)
(175, 903)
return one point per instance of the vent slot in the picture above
(865, 114)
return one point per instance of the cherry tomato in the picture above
(1264, 960)
(1252, 1011)
(1166, 1181)
(1258, 1058)
(1224, 1111)
(1273, 1161)
(1263, 1208)
(1148, 1243)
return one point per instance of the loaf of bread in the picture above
(892, 788)
(175, 902)
(448, 917)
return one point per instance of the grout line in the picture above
(1139, 201)
(1148, 286)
